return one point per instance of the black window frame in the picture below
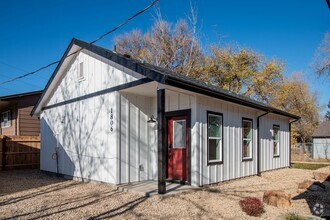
(247, 158)
(207, 135)
(279, 141)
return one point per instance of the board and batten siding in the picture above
(138, 139)
(268, 161)
(87, 148)
(232, 167)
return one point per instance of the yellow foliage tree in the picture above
(294, 96)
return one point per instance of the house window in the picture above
(276, 140)
(5, 122)
(179, 133)
(81, 71)
(214, 136)
(247, 139)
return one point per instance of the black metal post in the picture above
(161, 141)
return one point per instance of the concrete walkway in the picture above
(150, 188)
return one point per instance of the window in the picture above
(5, 122)
(179, 133)
(214, 135)
(276, 140)
(81, 71)
(247, 139)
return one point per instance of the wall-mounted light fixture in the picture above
(152, 119)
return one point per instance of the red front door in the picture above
(177, 140)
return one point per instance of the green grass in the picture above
(293, 216)
(308, 166)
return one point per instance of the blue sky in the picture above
(37, 32)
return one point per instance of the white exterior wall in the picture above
(87, 147)
(138, 141)
(233, 166)
(321, 148)
(268, 161)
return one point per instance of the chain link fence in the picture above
(310, 152)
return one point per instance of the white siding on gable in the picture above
(99, 74)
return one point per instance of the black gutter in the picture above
(258, 144)
(290, 140)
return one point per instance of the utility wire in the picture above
(92, 42)
(19, 69)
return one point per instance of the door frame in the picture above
(168, 115)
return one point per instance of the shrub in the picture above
(293, 216)
(252, 206)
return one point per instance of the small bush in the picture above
(252, 206)
(293, 216)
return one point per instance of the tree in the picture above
(322, 63)
(327, 114)
(294, 96)
(243, 72)
(240, 71)
(171, 47)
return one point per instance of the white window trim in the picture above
(9, 119)
(185, 138)
(276, 154)
(81, 78)
(248, 139)
(210, 162)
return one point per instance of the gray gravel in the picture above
(35, 195)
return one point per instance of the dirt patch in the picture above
(33, 195)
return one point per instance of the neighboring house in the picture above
(114, 119)
(15, 114)
(321, 141)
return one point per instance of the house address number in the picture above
(111, 120)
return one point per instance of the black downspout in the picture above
(258, 144)
(290, 140)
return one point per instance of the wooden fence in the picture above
(19, 152)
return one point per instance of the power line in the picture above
(25, 83)
(92, 42)
(19, 69)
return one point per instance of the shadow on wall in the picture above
(80, 134)
(53, 157)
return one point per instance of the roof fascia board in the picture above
(50, 81)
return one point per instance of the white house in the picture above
(114, 119)
(321, 141)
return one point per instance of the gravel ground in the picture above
(35, 195)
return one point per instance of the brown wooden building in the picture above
(15, 114)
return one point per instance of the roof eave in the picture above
(36, 107)
(209, 92)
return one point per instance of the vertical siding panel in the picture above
(133, 143)
(124, 153)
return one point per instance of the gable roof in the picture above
(323, 130)
(158, 74)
